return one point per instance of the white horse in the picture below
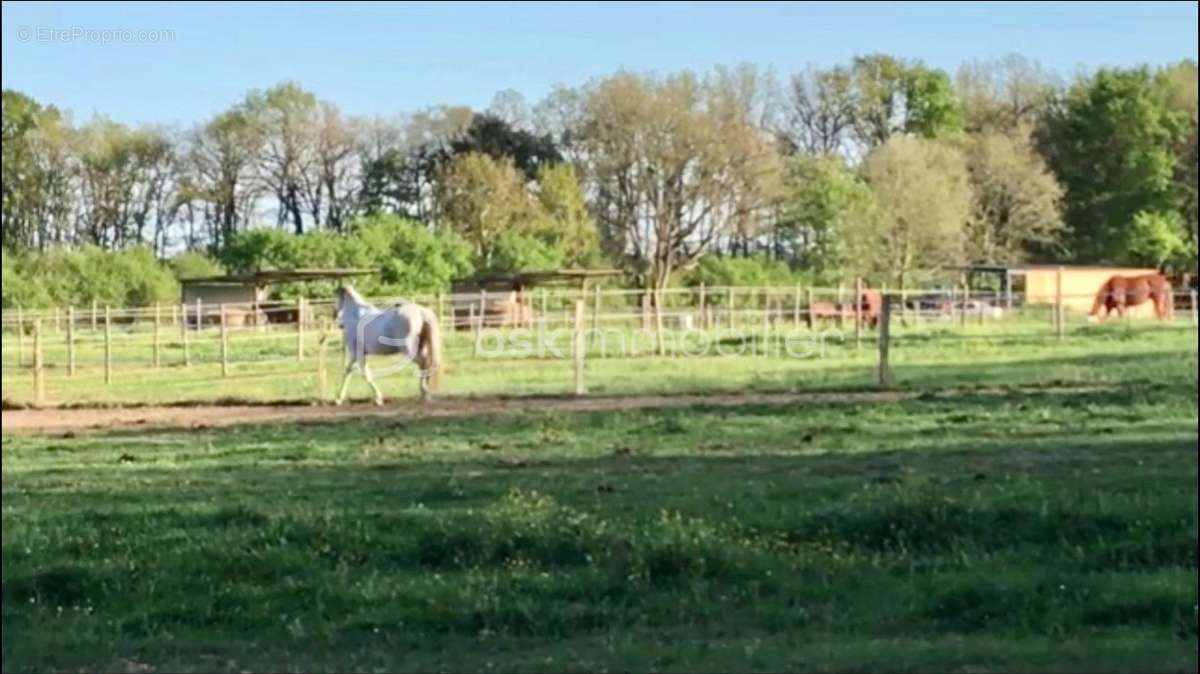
(408, 329)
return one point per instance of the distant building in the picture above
(246, 296)
(1038, 283)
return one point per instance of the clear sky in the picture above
(389, 58)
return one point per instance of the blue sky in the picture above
(389, 58)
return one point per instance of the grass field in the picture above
(1002, 531)
(263, 365)
(1040, 512)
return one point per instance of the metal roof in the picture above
(269, 276)
(535, 277)
(1000, 268)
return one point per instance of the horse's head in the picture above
(339, 301)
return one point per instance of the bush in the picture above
(519, 252)
(409, 257)
(193, 264)
(128, 277)
(758, 270)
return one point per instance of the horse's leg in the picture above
(423, 373)
(346, 382)
(367, 374)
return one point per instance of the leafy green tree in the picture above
(925, 200)
(565, 224)
(1017, 201)
(1159, 238)
(1112, 147)
(482, 198)
(822, 204)
(894, 96)
(497, 139)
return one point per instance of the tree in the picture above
(494, 137)
(1159, 238)
(331, 189)
(1006, 96)
(482, 198)
(925, 200)
(1111, 144)
(220, 177)
(510, 107)
(1179, 85)
(1017, 201)
(38, 192)
(288, 115)
(822, 204)
(401, 167)
(672, 166)
(566, 224)
(820, 110)
(895, 96)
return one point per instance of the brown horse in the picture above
(1122, 292)
(870, 307)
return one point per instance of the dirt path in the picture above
(102, 419)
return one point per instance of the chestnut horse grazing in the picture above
(1122, 292)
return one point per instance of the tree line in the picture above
(882, 167)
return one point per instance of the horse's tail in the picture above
(430, 342)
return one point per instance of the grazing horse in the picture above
(1122, 292)
(870, 307)
(409, 329)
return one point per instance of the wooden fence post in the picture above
(483, 312)
(658, 323)
(808, 301)
(322, 376)
(183, 335)
(1058, 304)
(885, 336)
(94, 309)
(300, 329)
(595, 314)
(1193, 307)
(157, 337)
(580, 384)
(729, 311)
(199, 315)
(966, 297)
(39, 371)
(766, 323)
(20, 337)
(841, 301)
(107, 344)
(796, 307)
(703, 308)
(474, 321)
(224, 344)
(858, 292)
(71, 341)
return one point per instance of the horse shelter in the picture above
(1038, 284)
(246, 297)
